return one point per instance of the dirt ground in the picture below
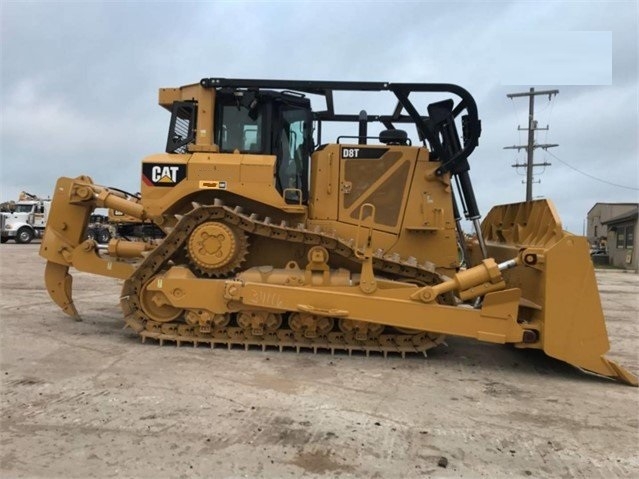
(88, 399)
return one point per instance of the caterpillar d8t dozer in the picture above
(275, 239)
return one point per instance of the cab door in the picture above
(293, 148)
(39, 217)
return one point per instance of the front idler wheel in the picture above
(157, 306)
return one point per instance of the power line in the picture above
(591, 176)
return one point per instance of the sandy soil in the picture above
(87, 399)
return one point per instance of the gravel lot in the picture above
(88, 399)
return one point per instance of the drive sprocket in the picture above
(216, 249)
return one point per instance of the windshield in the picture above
(238, 131)
(23, 209)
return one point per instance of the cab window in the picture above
(23, 209)
(295, 146)
(237, 130)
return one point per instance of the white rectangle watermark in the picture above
(556, 58)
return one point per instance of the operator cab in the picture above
(269, 123)
(255, 122)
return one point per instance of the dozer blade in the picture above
(574, 323)
(558, 284)
(59, 285)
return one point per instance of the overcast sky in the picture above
(79, 81)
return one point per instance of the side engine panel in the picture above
(413, 206)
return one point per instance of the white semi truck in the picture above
(27, 220)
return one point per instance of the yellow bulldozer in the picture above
(276, 239)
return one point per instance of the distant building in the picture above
(622, 239)
(613, 227)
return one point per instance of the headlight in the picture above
(8, 227)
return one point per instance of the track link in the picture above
(286, 339)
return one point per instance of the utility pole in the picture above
(530, 147)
